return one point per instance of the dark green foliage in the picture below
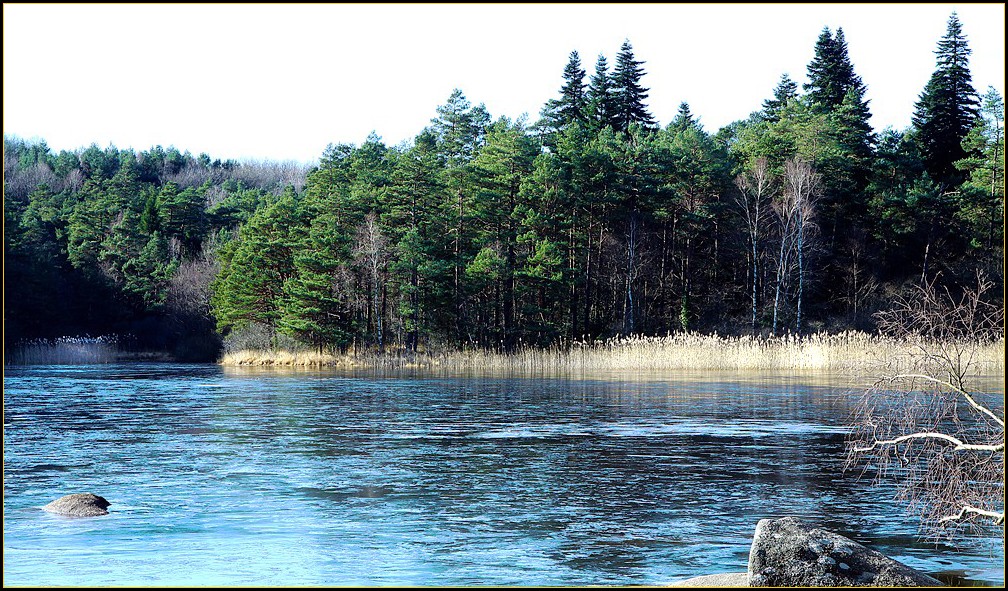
(573, 103)
(572, 95)
(628, 93)
(684, 118)
(499, 170)
(786, 91)
(495, 234)
(318, 298)
(94, 240)
(846, 162)
(601, 106)
(947, 108)
(831, 74)
(182, 217)
(249, 287)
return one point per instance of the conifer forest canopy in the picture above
(593, 221)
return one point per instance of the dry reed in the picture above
(845, 351)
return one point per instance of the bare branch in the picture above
(927, 423)
(998, 517)
(959, 444)
(979, 407)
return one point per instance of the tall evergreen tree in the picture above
(628, 94)
(684, 118)
(420, 234)
(600, 107)
(318, 296)
(500, 168)
(830, 72)
(981, 198)
(831, 75)
(947, 108)
(845, 159)
(254, 267)
(573, 101)
(461, 132)
(572, 106)
(786, 90)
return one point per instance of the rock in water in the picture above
(79, 505)
(786, 553)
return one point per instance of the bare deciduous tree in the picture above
(371, 253)
(803, 185)
(796, 209)
(189, 288)
(755, 186)
(927, 424)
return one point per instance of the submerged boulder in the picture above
(787, 553)
(79, 505)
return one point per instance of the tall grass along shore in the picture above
(681, 351)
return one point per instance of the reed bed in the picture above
(65, 350)
(845, 351)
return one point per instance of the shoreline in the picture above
(847, 351)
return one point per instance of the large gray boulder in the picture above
(787, 553)
(79, 505)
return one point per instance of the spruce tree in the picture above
(684, 118)
(786, 90)
(572, 96)
(628, 93)
(947, 108)
(830, 72)
(571, 107)
(600, 108)
(837, 93)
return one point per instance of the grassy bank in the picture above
(684, 351)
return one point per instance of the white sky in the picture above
(282, 81)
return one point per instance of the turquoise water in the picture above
(223, 477)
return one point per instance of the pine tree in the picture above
(254, 267)
(786, 90)
(981, 198)
(182, 216)
(628, 93)
(419, 232)
(947, 108)
(500, 169)
(461, 132)
(318, 298)
(460, 128)
(844, 160)
(146, 275)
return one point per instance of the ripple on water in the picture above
(226, 479)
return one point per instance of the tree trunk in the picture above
(628, 302)
(755, 276)
(780, 278)
(801, 274)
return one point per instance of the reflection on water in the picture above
(235, 477)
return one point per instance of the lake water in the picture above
(229, 477)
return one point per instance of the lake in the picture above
(223, 476)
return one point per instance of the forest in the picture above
(592, 221)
